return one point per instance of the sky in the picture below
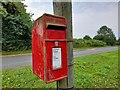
(87, 15)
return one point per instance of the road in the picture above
(24, 60)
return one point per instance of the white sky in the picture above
(88, 15)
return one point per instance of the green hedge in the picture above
(87, 43)
(16, 45)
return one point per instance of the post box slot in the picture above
(51, 26)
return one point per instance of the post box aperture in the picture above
(49, 48)
(51, 26)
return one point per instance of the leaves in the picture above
(106, 34)
(3, 11)
(87, 37)
(87, 43)
(16, 27)
(106, 31)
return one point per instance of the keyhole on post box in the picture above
(56, 43)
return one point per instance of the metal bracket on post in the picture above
(71, 64)
(70, 40)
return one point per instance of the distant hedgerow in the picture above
(87, 43)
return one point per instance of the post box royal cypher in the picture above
(49, 48)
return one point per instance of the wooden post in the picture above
(65, 9)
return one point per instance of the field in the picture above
(93, 71)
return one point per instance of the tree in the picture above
(106, 31)
(16, 29)
(87, 37)
(98, 37)
(3, 11)
(106, 34)
(109, 40)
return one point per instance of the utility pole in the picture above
(65, 9)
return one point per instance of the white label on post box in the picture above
(56, 58)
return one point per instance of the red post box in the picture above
(49, 48)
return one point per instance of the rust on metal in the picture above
(49, 48)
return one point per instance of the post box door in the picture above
(56, 61)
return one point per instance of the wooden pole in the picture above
(65, 9)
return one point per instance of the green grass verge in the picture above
(93, 71)
(23, 78)
(98, 71)
(16, 52)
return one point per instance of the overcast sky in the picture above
(88, 17)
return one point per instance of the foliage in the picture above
(109, 40)
(16, 27)
(16, 35)
(93, 71)
(105, 33)
(78, 43)
(3, 11)
(87, 37)
(98, 37)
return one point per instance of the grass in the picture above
(93, 71)
(98, 71)
(16, 52)
(23, 78)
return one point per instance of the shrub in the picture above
(98, 43)
(98, 37)
(87, 37)
(16, 27)
(78, 43)
(109, 40)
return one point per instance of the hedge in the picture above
(87, 43)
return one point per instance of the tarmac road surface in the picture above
(24, 60)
